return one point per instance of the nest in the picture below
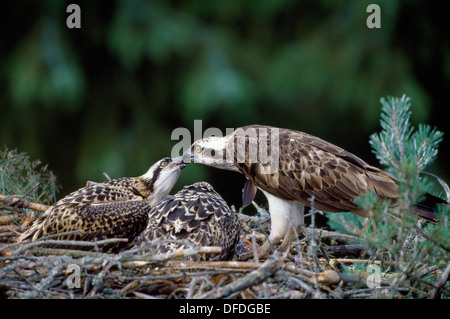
(320, 264)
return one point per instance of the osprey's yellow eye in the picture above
(198, 149)
(164, 164)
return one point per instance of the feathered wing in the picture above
(120, 190)
(125, 219)
(196, 214)
(309, 166)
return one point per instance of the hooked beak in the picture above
(178, 161)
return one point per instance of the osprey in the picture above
(294, 169)
(113, 209)
(196, 214)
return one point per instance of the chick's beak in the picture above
(178, 161)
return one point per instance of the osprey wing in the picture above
(88, 223)
(311, 167)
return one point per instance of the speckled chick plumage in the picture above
(196, 214)
(117, 208)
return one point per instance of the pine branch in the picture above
(402, 149)
(406, 152)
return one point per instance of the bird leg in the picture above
(264, 250)
(289, 238)
(286, 219)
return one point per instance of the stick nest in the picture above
(320, 264)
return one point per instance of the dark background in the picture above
(106, 97)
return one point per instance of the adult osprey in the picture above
(117, 208)
(293, 170)
(196, 214)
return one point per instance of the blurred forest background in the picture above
(106, 97)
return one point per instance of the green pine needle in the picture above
(404, 151)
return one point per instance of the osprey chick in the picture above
(294, 169)
(196, 214)
(113, 209)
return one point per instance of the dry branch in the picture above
(327, 234)
(19, 202)
(267, 269)
(364, 261)
(58, 242)
(141, 261)
(38, 251)
(440, 283)
(234, 265)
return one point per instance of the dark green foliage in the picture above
(106, 97)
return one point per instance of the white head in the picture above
(212, 151)
(161, 177)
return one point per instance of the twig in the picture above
(140, 295)
(405, 247)
(73, 232)
(140, 261)
(254, 246)
(324, 234)
(302, 284)
(21, 197)
(364, 261)
(433, 240)
(440, 283)
(261, 211)
(70, 243)
(14, 201)
(39, 251)
(235, 265)
(267, 269)
(191, 288)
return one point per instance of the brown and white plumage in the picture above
(113, 209)
(293, 168)
(196, 214)
(309, 166)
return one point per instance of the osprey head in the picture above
(212, 151)
(162, 176)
